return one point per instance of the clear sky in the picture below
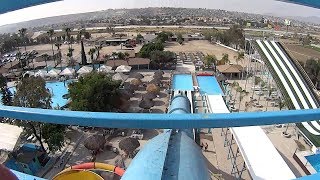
(77, 6)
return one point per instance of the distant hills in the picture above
(83, 18)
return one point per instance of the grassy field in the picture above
(301, 53)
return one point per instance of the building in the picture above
(135, 63)
(231, 71)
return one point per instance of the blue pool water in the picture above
(314, 160)
(57, 90)
(209, 85)
(182, 82)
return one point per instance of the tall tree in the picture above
(95, 92)
(83, 55)
(70, 55)
(224, 59)
(239, 57)
(211, 59)
(91, 52)
(7, 96)
(139, 38)
(45, 57)
(67, 30)
(50, 33)
(22, 33)
(98, 49)
(58, 45)
(312, 67)
(32, 93)
(179, 38)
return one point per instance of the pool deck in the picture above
(301, 159)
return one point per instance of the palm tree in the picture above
(239, 57)
(50, 33)
(225, 59)
(91, 52)
(98, 48)
(68, 31)
(70, 54)
(45, 57)
(22, 33)
(211, 59)
(18, 56)
(58, 45)
(126, 56)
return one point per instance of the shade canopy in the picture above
(146, 104)
(85, 70)
(149, 96)
(155, 81)
(128, 145)
(120, 77)
(28, 73)
(136, 82)
(136, 75)
(95, 142)
(152, 88)
(67, 72)
(104, 68)
(123, 69)
(54, 73)
(41, 73)
(126, 94)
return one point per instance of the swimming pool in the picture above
(314, 160)
(57, 90)
(182, 82)
(209, 85)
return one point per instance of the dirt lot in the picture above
(202, 46)
(300, 53)
(46, 48)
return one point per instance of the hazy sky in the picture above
(77, 6)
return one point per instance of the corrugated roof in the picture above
(9, 135)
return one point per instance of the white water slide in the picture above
(293, 83)
(261, 158)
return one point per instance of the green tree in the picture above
(3, 81)
(67, 30)
(160, 59)
(139, 38)
(164, 36)
(179, 38)
(95, 92)
(58, 45)
(312, 67)
(22, 33)
(70, 55)
(239, 56)
(91, 52)
(224, 59)
(149, 47)
(50, 33)
(45, 57)
(7, 96)
(32, 93)
(98, 49)
(87, 35)
(121, 55)
(211, 59)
